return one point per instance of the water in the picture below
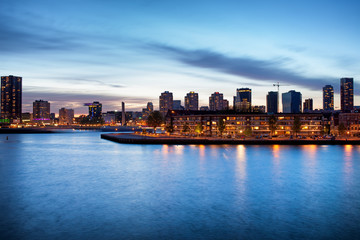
(78, 186)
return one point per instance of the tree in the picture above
(248, 131)
(296, 125)
(341, 129)
(186, 127)
(154, 120)
(325, 129)
(199, 128)
(170, 128)
(221, 125)
(272, 124)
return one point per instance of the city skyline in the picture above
(71, 53)
(166, 101)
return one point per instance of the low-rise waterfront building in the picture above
(351, 122)
(238, 124)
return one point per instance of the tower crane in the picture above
(277, 84)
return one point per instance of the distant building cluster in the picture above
(218, 107)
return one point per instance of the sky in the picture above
(72, 52)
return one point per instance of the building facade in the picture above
(351, 121)
(11, 98)
(240, 124)
(192, 101)
(328, 98)
(291, 102)
(308, 105)
(165, 102)
(95, 111)
(177, 105)
(347, 94)
(272, 102)
(146, 111)
(41, 112)
(216, 101)
(66, 116)
(242, 100)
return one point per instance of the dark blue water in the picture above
(78, 186)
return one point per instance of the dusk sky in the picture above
(73, 52)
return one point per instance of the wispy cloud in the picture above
(223, 80)
(87, 81)
(76, 101)
(245, 67)
(20, 36)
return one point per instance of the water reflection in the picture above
(241, 154)
(202, 152)
(348, 161)
(276, 151)
(241, 162)
(310, 163)
(241, 174)
(52, 184)
(276, 160)
(179, 149)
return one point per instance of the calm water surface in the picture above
(78, 186)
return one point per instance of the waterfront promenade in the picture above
(128, 138)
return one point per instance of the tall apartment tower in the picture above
(347, 94)
(66, 116)
(242, 100)
(150, 106)
(216, 101)
(192, 101)
(41, 110)
(328, 98)
(11, 98)
(95, 111)
(272, 102)
(308, 105)
(165, 102)
(291, 102)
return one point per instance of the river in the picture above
(75, 185)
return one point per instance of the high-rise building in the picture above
(216, 101)
(165, 102)
(192, 101)
(242, 100)
(41, 111)
(150, 106)
(66, 116)
(308, 105)
(146, 111)
(272, 102)
(95, 111)
(291, 102)
(328, 98)
(177, 105)
(347, 94)
(225, 104)
(11, 98)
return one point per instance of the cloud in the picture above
(19, 36)
(245, 67)
(84, 80)
(76, 101)
(224, 80)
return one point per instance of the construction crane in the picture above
(277, 84)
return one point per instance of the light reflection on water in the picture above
(77, 186)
